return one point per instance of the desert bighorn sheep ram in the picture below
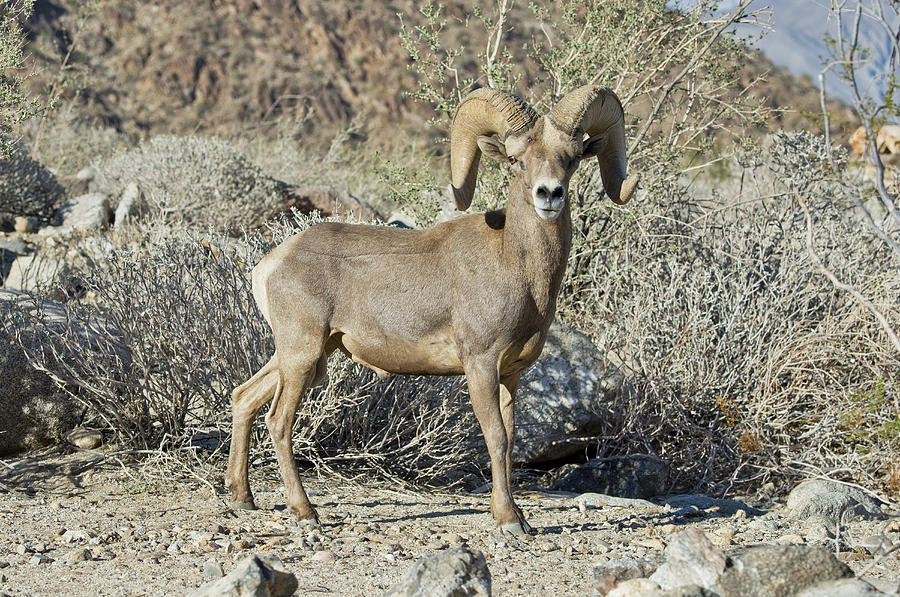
(473, 296)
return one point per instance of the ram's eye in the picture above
(511, 159)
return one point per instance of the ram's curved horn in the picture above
(597, 110)
(483, 112)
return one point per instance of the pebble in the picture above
(324, 556)
(213, 569)
(651, 543)
(79, 554)
(548, 546)
(39, 559)
(789, 539)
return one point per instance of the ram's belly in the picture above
(431, 355)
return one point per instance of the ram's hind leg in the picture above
(298, 370)
(246, 400)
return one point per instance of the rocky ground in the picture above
(71, 526)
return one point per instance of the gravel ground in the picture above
(70, 529)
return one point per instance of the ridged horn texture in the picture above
(484, 112)
(597, 110)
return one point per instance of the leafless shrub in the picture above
(744, 360)
(174, 329)
(26, 187)
(201, 181)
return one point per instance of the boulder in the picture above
(609, 574)
(450, 573)
(130, 205)
(779, 571)
(835, 502)
(562, 398)
(690, 559)
(255, 576)
(85, 212)
(10, 250)
(637, 476)
(36, 273)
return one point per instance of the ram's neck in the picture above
(538, 249)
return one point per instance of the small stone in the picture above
(174, 547)
(213, 569)
(636, 587)
(24, 225)
(76, 555)
(86, 439)
(21, 549)
(739, 514)
(789, 539)
(39, 559)
(651, 543)
(324, 556)
(437, 545)
(548, 546)
(876, 544)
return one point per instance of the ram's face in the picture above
(544, 159)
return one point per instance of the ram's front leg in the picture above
(508, 386)
(484, 391)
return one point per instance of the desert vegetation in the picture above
(748, 294)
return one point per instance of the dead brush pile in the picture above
(745, 362)
(174, 329)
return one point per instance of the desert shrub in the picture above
(26, 187)
(742, 357)
(199, 181)
(15, 104)
(176, 330)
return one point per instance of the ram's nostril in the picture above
(557, 193)
(541, 192)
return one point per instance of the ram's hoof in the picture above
(248, 505)
(515, 529)
(309, 523)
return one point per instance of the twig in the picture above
(885, 324)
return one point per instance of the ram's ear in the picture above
(493, 148)
(594, 146)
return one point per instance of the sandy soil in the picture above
(163, 538)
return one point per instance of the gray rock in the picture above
(86, 439)
(891, 587)
(690, 559)
(563, 397)
(702, 502)
(451, 573)
(686, 591)
(598, 499)
(213, 569)
(779, 571)
(130, 205)
(76, 555)
(608, 574)
(835, 502)
(255, 576)
(636, 587)
(847, 587)
(9, 251)
(637, 476)
(85, 212)
(25, 225)
(35, 273)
